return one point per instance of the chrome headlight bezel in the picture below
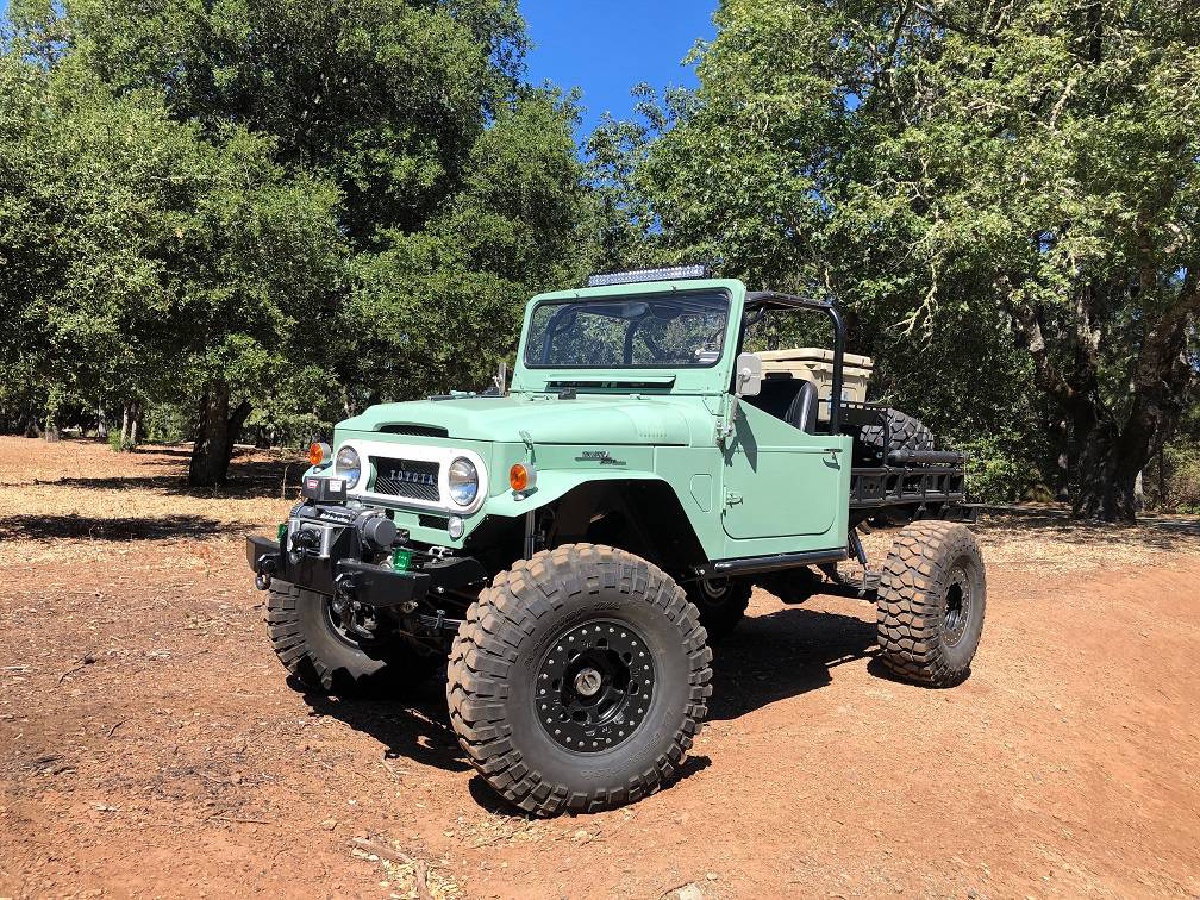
(348, 465)
(462, 482)
(371, 451)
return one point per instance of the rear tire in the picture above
(579, 680)
(323, 660)
(931, 604)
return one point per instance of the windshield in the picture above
(664, 331)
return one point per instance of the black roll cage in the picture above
(762, 301)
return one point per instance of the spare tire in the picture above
(899, 432)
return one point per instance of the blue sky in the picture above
(606, 47)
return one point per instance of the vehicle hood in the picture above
(585, 420)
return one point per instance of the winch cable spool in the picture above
(378, 532)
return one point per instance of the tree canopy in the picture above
(1003, 193)
(277, 213)
(272, 215)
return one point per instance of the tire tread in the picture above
(488, 644)
(908, 616)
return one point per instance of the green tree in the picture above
(384, 97)
(1025, 169)
(144, 261)
(439, 309)
(459, 187)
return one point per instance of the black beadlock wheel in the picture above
(722, 603)
(595, 685)
(579, 680)
(931, 604)
(309, 639)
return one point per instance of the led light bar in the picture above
(677, 273)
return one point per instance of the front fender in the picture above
(553, 485)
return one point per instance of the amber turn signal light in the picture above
(523, 477)
(317, 454)
(518, 477)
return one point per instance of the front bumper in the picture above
(370, 584)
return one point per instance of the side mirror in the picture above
(748, 382)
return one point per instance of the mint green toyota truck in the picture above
(572, 541)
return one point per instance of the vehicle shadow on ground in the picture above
(783, 654)
(415, 726)
(74, 526)
(249, 480)
(416, 729)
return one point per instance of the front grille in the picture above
(410, 478)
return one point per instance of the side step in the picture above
(757, 565)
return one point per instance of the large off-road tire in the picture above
(902, 431)
(307, 642)
(722, 603)
(931, 603)
(579, 680)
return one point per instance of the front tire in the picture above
(931, 603)
(307, 641)
(579, 680)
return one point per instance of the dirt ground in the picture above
(151, 746)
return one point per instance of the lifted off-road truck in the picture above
(573, 542)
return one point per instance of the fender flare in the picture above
(554, 485)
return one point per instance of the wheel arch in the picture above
(643, 516)
(638, 512)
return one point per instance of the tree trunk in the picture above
(1162, 477)
(1110, 449)
(125, 428)
(1115, 453)
(217, 428)
(133, 426)
(1105, 480)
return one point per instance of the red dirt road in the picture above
(150, 745)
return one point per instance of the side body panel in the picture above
(778, 481)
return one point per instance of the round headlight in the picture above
(348, 466)
(464, 482)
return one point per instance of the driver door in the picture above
(780, 481)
